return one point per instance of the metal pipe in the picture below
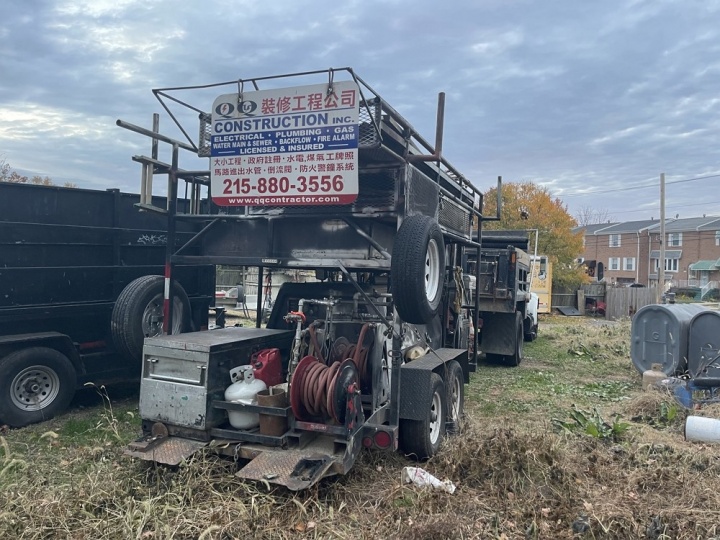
(172, 199)
(149, 133)
(437, 153)
(374, 243)
(499, 202)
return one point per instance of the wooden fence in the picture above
(625, 301)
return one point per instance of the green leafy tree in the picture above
(529, 206)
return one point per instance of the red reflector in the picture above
(382, 439)
(91, 345)
(367, 442)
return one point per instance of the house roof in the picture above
(704, 265)
(707, 223)
(631, 226)
(593, 227)
(669, 254)
(693, 224)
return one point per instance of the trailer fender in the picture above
(52, 340)
(416, 384)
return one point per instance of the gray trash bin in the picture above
(704, 348)
(659, 336)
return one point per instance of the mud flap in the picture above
(294, 469)
(165, 450)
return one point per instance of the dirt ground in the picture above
(567, 445)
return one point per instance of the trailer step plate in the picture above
(165, 450)
(294, 469)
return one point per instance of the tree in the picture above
(528, 206)
(4, 170)
(8, 175)
(588, 215)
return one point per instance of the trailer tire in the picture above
(417, 269)
(422, 438)
(35, 385)
(138, 313)
(455, 395)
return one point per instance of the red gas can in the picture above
(267, 366)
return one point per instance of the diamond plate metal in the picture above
(169, 451)
(278, 467)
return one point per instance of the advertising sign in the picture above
(286, 147)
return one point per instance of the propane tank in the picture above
(244, 389)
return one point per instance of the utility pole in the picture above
(661, 262)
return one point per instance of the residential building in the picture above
(629, 252)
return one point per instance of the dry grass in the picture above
(517, 476)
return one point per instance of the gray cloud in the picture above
(577, 96)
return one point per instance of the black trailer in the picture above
(375, 353)
(81, 286)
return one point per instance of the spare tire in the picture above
(138, 313)
(418, 269)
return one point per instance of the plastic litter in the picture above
(420, 477)
(702, 429)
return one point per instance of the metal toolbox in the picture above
(182, 374)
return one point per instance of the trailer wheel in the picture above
(422, 438)
(35, 385)
(138, 313)
(417, 269)
(455, 394)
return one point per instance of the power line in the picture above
(672, 207)
(654, 185)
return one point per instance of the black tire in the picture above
(138, 313)
(35, 385)
(532, 334)
(418, 269)
(422, 438)
(455, 395)
(517, 356)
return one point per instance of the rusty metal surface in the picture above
(294, 469)
(169, 451)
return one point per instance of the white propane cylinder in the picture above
(244, 389)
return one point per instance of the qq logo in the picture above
(245, 108)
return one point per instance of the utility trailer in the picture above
(508, 309)
(323, 176)
(80, 287)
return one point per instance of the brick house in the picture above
(629, 252)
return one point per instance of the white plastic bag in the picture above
(420, 477)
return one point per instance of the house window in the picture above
(671, 265)
(675, 239)
(614, 263)
(614, 240)
(629, 263)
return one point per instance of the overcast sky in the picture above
(577, 96)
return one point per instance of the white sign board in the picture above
(286, 147)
